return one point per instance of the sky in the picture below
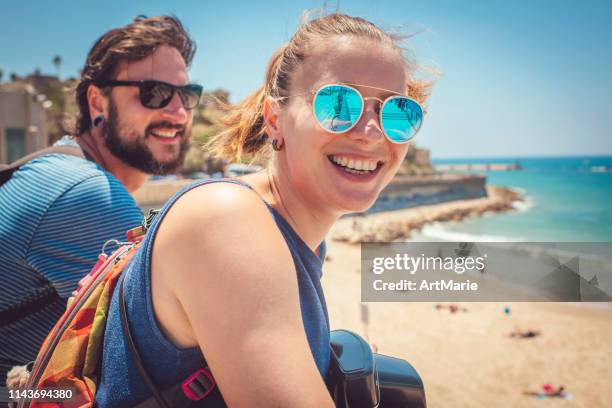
(514, 78)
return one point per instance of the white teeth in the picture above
(165, 133)
(359, 166)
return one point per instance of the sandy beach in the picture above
(466, 359)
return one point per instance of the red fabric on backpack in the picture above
(70, 356)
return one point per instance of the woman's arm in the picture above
(224, 259)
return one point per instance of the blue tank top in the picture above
(120, 381)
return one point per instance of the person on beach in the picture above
(134, 117)
(228, 277)
(452, 308)
(524, 334)
(548, 391)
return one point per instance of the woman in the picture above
(230, 271)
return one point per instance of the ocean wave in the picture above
(523, 206)
(437, 231)
(601, 169)
(527, 202)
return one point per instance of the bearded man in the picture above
(135, 112)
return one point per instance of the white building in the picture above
(22, 121)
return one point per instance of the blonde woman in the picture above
(228, 278)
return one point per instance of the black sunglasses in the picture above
(158, 94)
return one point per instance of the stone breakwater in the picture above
(399, 224)
(463, 196)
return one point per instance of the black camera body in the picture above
(359, 378)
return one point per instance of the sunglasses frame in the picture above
(363, 100)
(139, 84)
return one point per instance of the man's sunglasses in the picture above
(158, 94)
(338, 108)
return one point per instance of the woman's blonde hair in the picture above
(246, 131)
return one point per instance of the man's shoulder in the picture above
(57, 193)
(59, 166)
(63, 181)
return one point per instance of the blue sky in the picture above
(519, 78)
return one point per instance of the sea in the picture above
(567, 199)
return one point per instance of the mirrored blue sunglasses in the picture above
(339, 107)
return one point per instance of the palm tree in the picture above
(57, 61)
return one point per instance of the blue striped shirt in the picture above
(56, 212)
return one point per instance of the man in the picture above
(57, 210)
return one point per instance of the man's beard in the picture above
(136, 153)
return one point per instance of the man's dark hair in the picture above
(133, 42)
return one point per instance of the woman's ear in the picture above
(97, 101)
(271, 112)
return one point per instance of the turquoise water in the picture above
(567, 199)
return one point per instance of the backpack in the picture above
(65, 373)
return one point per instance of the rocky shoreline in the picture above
(399, 224)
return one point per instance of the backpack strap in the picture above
(127, 336)
(6, 171)
(188, 393)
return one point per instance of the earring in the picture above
(98, 121)
(276, 145)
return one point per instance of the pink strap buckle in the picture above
(198, 385)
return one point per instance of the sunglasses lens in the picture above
(401, 118)
(190, 95)
(337, 108)
(155, 95)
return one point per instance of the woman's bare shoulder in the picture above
(215, 204)
(221, 220)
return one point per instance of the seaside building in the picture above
(421, 157)
(22, 121)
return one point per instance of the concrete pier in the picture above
(478, 167)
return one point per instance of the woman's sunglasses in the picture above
(158, 94)
(338, 108)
